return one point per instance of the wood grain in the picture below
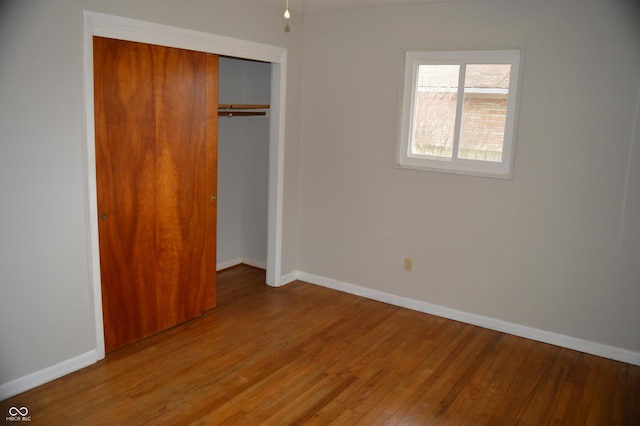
(126, 188)
(180, 81)
(156, 145)
(211, 179)
(302, 354)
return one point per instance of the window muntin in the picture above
(458, 112)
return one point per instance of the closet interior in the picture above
(243, 158)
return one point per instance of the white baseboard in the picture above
(228, 264)
(556, 339)
(289, 278)
(30, 381)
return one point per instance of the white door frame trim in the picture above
(99, 24)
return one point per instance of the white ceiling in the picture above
(326, 5)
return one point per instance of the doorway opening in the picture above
(243, 159)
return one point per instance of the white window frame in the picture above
(404, 157)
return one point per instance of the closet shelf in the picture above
(241, 110)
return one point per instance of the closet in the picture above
(156, 146)
(243, 158)
(181, 190)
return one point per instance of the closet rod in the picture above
(224, 113)
(239, 110)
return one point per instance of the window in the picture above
(458, 112)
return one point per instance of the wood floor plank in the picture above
(302, 354)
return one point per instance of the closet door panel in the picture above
(126, 188)
(155, 175)
(181, 117)
(211, 210)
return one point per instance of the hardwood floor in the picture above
(302, 354)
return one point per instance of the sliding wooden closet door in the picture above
(185, 213)
(125, 177)
(156, 154)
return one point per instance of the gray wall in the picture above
(558, 247)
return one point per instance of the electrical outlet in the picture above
(408, 264)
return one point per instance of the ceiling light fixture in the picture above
(287, 15)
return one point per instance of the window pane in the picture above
(484, 112)
(435, 110)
